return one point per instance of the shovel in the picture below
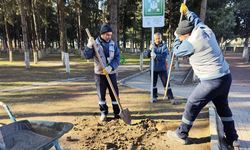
(124, 113)
(171, 64)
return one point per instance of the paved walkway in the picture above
(142, 81)
(239, 97)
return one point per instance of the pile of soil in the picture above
(115, 134)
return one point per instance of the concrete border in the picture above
(122, 81)
(216, 130)
(214, 143)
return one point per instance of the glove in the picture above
(153, 55)
(183, 9)
(91, 42)
(151, 46)
(107, 70)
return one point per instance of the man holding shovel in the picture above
(196, 40)
(110, 55)
(159, 54)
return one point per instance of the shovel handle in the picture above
(182, 13)
(168, 80)
(107, 76)
(171, 63)
(7, 109)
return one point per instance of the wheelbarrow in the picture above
(31, 135)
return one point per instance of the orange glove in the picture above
(183, 8)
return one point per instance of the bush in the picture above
(122, 59)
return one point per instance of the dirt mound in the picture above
(115, 134)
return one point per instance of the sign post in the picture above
(153, 16)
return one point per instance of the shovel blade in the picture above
(125, 116)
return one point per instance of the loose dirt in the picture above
(146, 134)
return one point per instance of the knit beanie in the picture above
(184, 27)
(105, 28)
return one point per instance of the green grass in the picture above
(14, 74)
(134, 59)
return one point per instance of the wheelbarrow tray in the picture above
(32, 135)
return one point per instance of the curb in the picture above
(122, 81)
(216, 130)
(214, 142)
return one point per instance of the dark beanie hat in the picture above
(184, 27)
(105, 28)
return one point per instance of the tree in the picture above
(203, 10)
(8, 13)
(34, 31)
(221, 19)
(63, 35)
(113, 17)
(243, 25)
(79, 27)
(62, 29)
(23, 11)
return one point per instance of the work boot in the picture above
(169, 98)
(173, 135)
(103, 118)
(232, 144)
(174, 102)
(116, 116)
(236, 143)
(154, 100)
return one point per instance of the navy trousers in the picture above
(101, 87)
(215, 90)
(163, 76)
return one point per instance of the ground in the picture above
(32, 95)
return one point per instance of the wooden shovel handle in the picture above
(171, 63)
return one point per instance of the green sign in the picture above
(153, 7)
(153, 13)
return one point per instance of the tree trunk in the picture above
(34, 33)
(124, 39)
(245, 54)
(113, 13)
(124, 27)
(141, 49)
(203, 10)
(9, 40)
(222, 47)
(63, 35)
(7, 33)
(17, 38)
(79, 35)
(23, 11)
(43, 51)
(4, 41)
